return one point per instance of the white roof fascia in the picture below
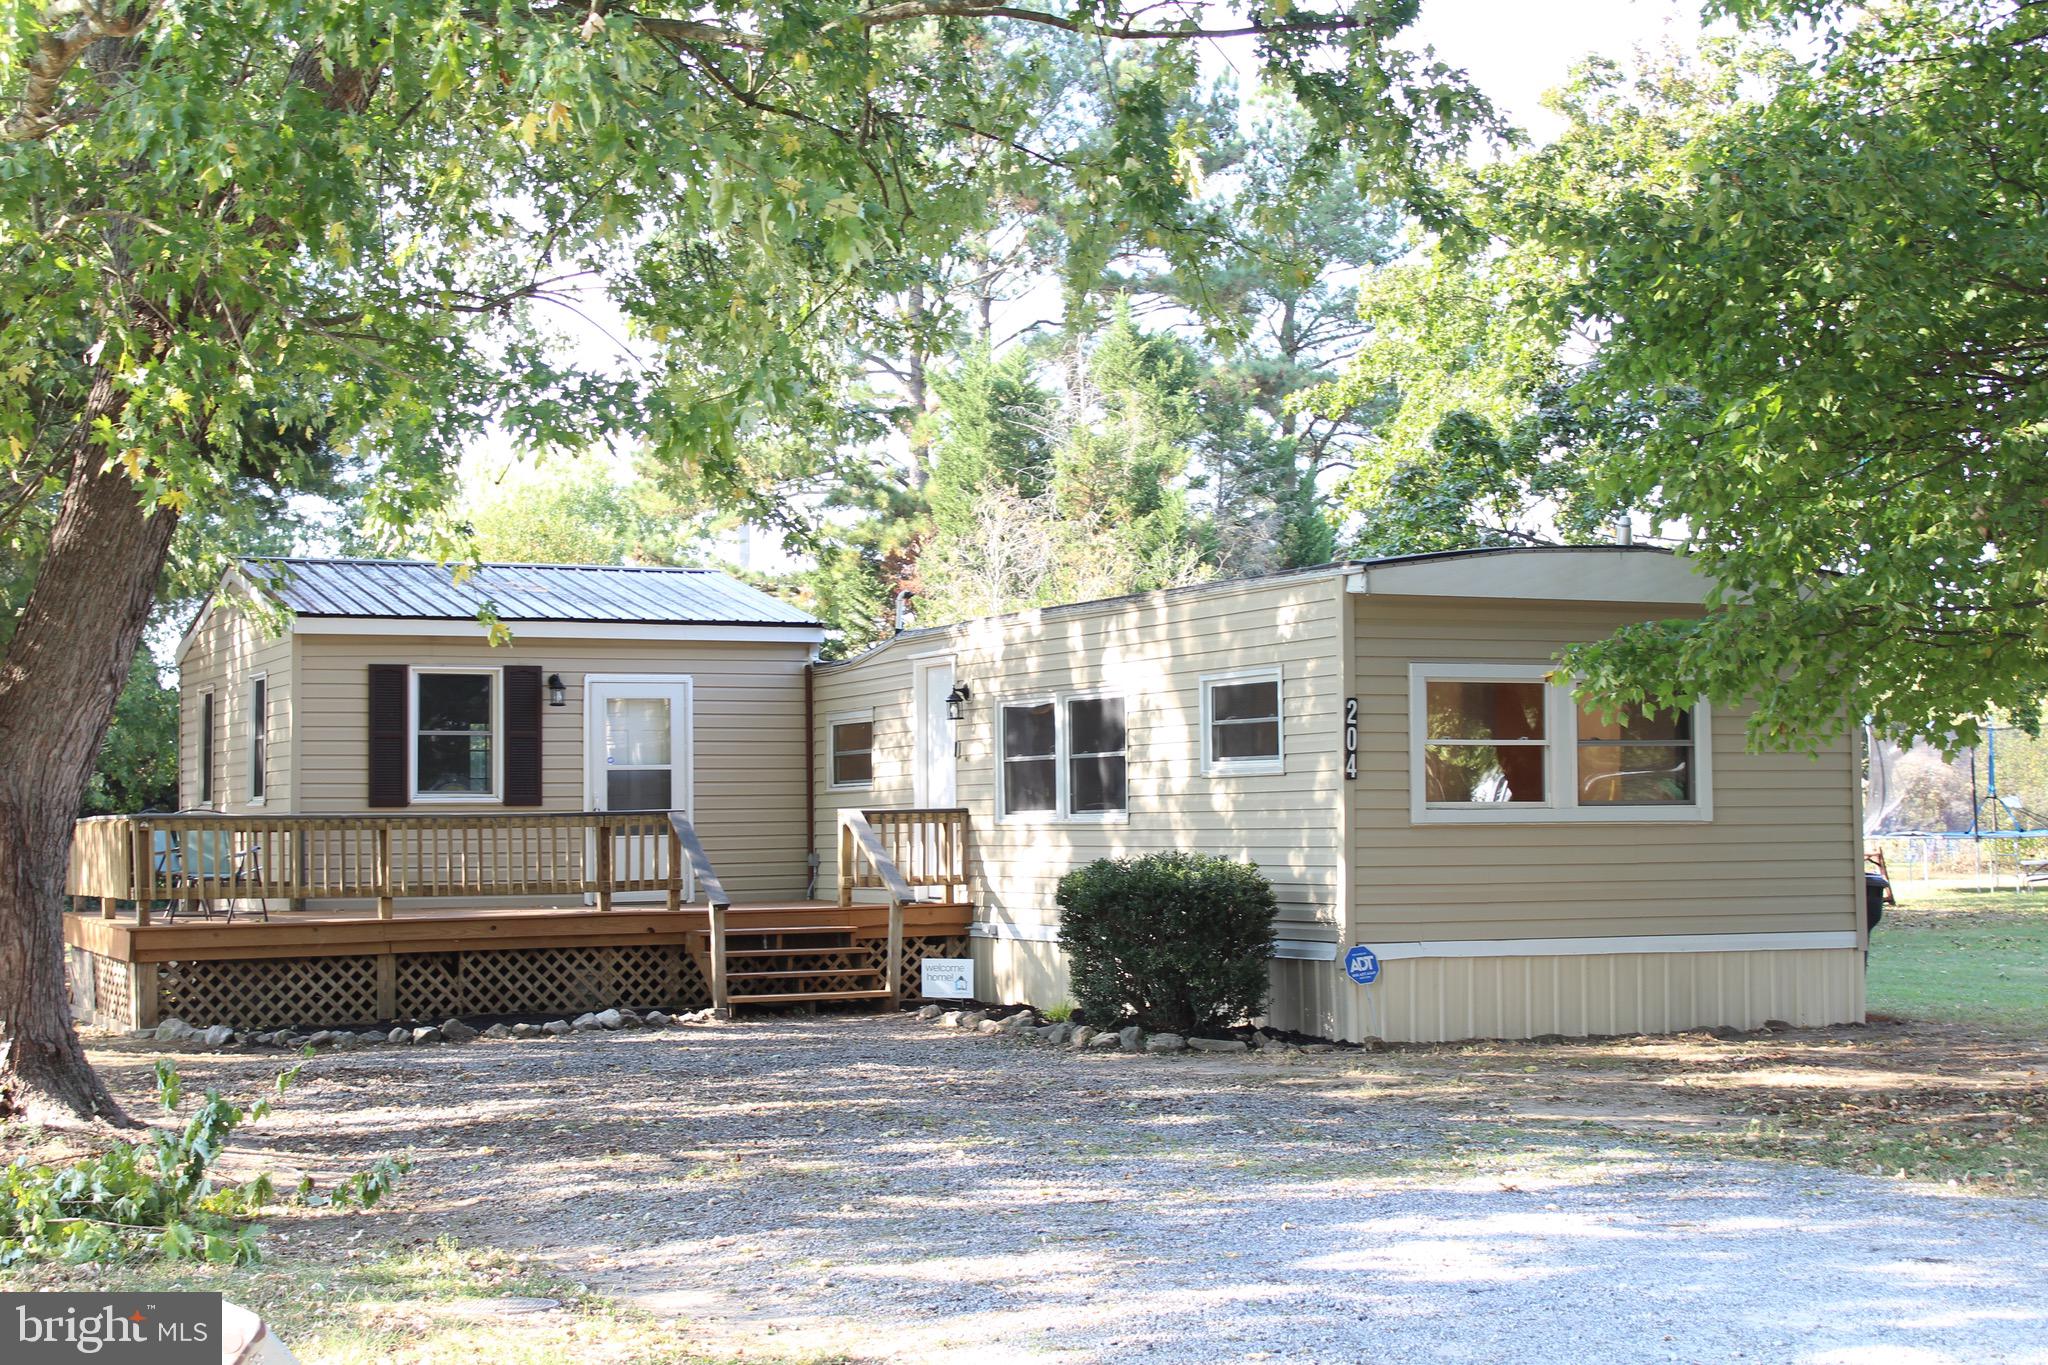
(1589, 575)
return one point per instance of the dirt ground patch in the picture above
(1947, 1103)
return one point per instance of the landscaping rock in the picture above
(1055, 1034)
(1166, 1042)
(398, 1035)
(627, 1018)
(370, 1038)
(1217, 1045)
(1080, 1036)
(172, 1031)
(610, 1019)
(1131, 1039)
(973, 1019)
(217, 1036)
(426, 1035)
(324, 1038)
(526, 1031)
(1022, 1019)
(949, 1019)
(930, 1012)
(295, 1041)
(655, 1019)
(555, 1028)
(988, 1026)
(498, 1031)
(1318, 1047)
(455, 1031)
(1103, 1042)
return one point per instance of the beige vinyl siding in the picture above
(223, 657)
(749, 740)
(1782, 852)
(1152, 651)
(1434, 1000)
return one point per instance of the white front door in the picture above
(936, 771)
(637, 741)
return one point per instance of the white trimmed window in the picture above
(1064, 758)
(1241, 729)
(850, 749)
(1503, 743)
(457, 716)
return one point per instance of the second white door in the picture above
(937, 771)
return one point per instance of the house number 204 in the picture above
(1351, 739)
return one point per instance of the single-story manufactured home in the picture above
(491, 791)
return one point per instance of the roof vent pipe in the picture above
(1624, 530)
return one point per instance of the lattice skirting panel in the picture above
(312, 992)
(548, 980)
(111, 995)
(99, 989)
(269, 992)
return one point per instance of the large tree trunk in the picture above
(59, 680)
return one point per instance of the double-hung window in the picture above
(1241, 723)
(1504, 743)
(851, 747)
(455, 715)
(1065, 758)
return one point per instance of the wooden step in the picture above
(804, 997)
(764, 931)
(800, 975)
(815, 950)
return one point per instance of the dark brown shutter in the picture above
(522, 735)
(389, 723)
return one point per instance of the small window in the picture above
(1635, 758)
(454, 724)
(1095, 756)
(206, 748)
(1485, 742)
(1241, 724)
(259, 736)
(853, 750)
(1030, 758)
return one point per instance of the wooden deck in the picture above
(459, 928)
(500, 914)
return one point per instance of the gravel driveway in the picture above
(896, 1192)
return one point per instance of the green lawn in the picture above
(1973, 957)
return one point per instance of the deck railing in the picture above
(927, 847)
(205, 857)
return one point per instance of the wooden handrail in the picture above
(710, 889)
(857, 836)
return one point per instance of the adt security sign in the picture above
(1362, 965)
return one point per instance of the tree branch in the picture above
(69, 28)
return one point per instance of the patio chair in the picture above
(203, 857)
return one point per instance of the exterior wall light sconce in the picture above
(558, 692)
(956, 701)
